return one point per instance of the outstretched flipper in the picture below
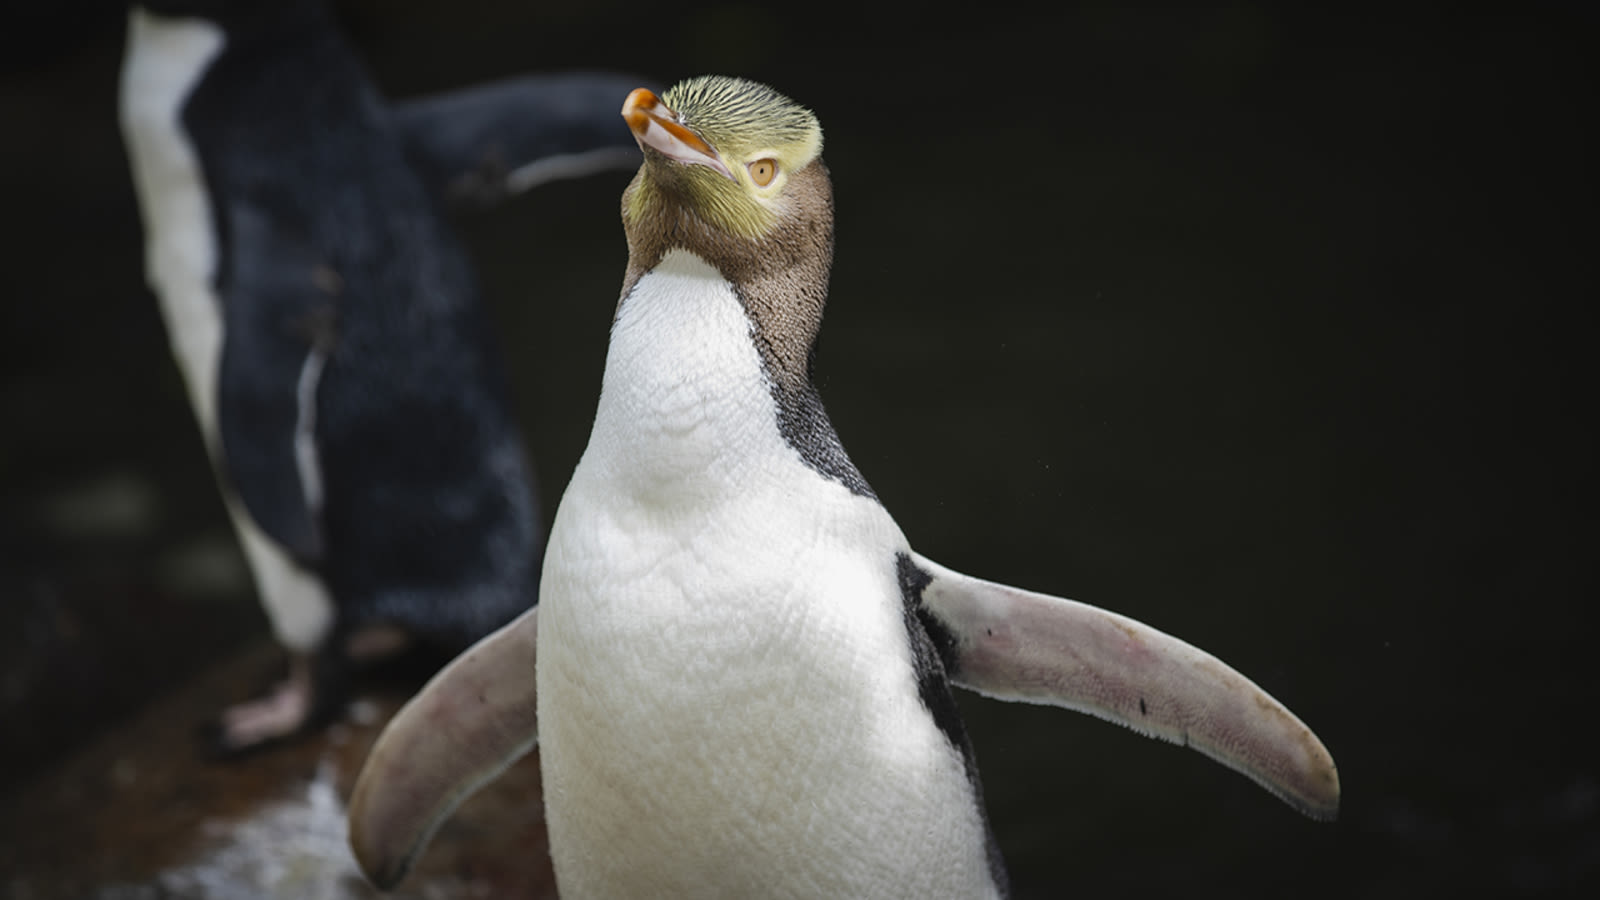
(466, 726)
(1012, 644)
(478, 715)
(481, 144)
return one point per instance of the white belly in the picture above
(727, 703)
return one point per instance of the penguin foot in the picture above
(281, 712)
(289, 709)
(318, 683)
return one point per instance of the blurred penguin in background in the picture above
(335, 346)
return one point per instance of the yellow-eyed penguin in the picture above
(329, 328)
(743, 669)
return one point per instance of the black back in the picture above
(332, 248)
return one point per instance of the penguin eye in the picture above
(762, 171)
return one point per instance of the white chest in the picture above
(165, 60)
(726, 698)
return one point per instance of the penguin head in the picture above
(733, 173)
(728, 156)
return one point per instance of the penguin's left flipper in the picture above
(473, 720)
(1017, 645)
(279, 332)
(478, 145)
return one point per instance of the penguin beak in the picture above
(657, 127)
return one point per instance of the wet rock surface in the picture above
(140, 814)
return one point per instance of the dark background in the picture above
(1267, 328)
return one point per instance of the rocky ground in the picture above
(140, 814)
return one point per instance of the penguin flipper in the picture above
(478, 145)
(277, 336)
(1018, 645)
(465, 727)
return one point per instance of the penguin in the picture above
(739, 674)
(331, 336)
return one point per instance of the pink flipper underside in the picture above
(474, 719)
(1023, 646)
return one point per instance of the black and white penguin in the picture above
(743, 669)
(329, 329)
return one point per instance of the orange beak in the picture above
(657, 127)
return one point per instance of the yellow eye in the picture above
(762, 171)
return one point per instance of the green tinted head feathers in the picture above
(723, 149)
(743, 118)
